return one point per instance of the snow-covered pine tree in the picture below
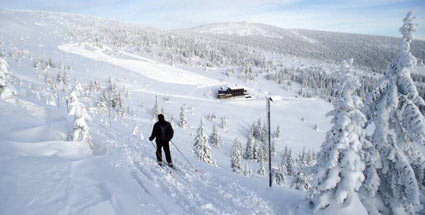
(288, 162)
(255, 131)
(6, 90)
(276, 133)
(65, 82)
(108, 95)
(282, 162)
(263, 133)
(301, 182)
(236, 157)
(302, 162)
(339, 169)
(223, 122)
(201, 147)
(309, 159)
(261, 169)
(183, 121)
(279, 176)
(395, 169)
(263, 153)
(81, 131)
(103, 101)
(118, 103)
(247, 171)
(214, 139)
(250, 147)
(256, 152)
(59, 82)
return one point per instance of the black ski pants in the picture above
(166, 146)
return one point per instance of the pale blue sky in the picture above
(378, 17)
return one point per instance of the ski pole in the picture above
(196, 170)
(155, 149)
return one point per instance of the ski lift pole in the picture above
(269, 139)
(268, 100)
(196, 170)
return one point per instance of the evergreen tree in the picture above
(215, 139)
(119, 104)
(339, 168)
(301, 182)
(302, 159)
(201, 147)
(250, 147)
(263, 153)
(59, 82)
(81, 131)
(223, 122)
(288, 162)
(256, 152)
(102, 104)
(309, 159)
(247, 171)
(276, 133)
(282, 162)
(256, 130)
(6, 90)
(261, 169)
(236, 157)
(263, 133)
(279, 176)
(108, 98)
(395, 169)
(183, 121)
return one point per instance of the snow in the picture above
(237, 28)
(244, 29)
(44, 173)
(149, 68)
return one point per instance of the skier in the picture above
(162, 132)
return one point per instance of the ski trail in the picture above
(183, 191)
(144, 66)
(139, 181)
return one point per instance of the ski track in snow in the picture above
(144, 66)
(192, 193)
(122, 177)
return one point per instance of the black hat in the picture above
(161, 117)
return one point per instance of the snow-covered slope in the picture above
(242, 29)
(45, 173)
(372, 52)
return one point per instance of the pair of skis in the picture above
(167, 167)
(196, 170)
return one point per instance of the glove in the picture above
(150, 138)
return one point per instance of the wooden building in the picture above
(228, 93)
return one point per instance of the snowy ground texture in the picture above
(44, 173)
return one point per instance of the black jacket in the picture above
(162, 131)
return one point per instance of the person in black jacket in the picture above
(163, 133)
